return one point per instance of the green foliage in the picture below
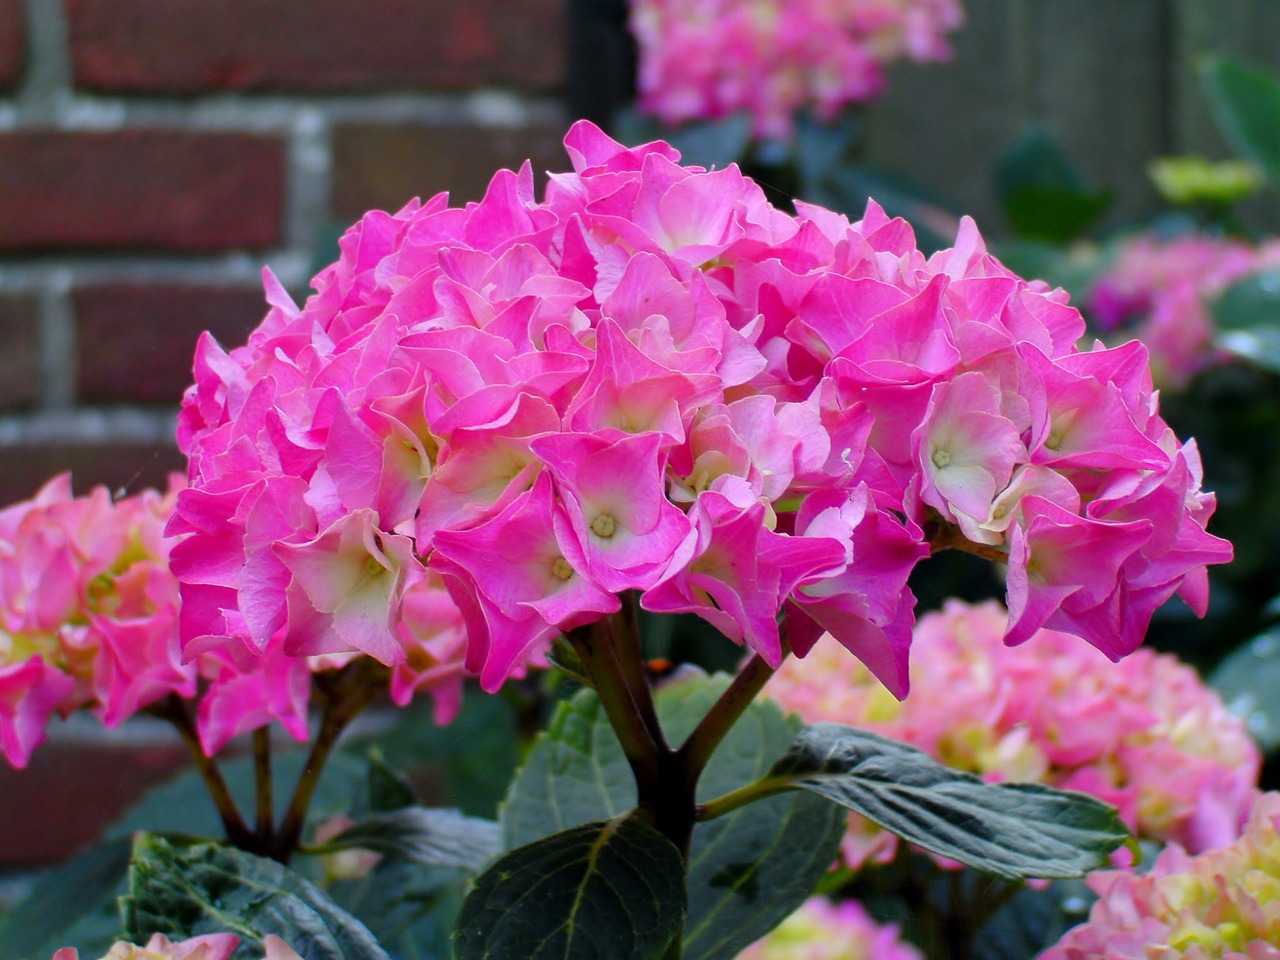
(608, 890)
(1042, 195)
(1249, 682)
(471, 760)
(71, 906)
(747, 870)
(184, 890)
(1009, 830)
(1246, 104)
(436, 837)
(1248, 319)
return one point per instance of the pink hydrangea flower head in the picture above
(705, 59)
(822, 930)
(505, 414)
(1146, 735)
(1218, 904)
(88, 610)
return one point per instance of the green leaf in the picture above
(1249, 683)
(410, 908)
(444, 838)
(186, 890)
(747, 870)
(71, 906)
(1009, 830)
(1248, 318)
(609, 890)
(471, 761)
(1043, 196)
(1246, 104)
(388, 788)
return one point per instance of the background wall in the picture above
(1113, 81)
(153, 156)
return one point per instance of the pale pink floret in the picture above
(1146, 735)
(1219, 904)
(210, 946)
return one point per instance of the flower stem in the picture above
(697, 749)
(264, 829)
(174, 710)
(348, 691)
(594, 644)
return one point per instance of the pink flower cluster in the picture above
(1146, 735)
(706, 59)
(822, 930)
(1221, 905)
(1160, 290)
(211, 946)
(89, 617)
(88, 610)
(655, 381)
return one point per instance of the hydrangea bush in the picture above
(494, 435)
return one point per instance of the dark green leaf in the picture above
(1248, 318)
(410, 908)
(389, 789)
(184, 891)
(747, 870)
(1246, 104)
(1009, 830)
(471, 761)
(71, 906)
(609, 890)
(1043, 196)
(822, 147)
(1032, 921)
(1249, 682)
(444, 838)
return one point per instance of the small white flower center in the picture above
(560, 569)
(373, 567)
(604, 526)
(941, 458)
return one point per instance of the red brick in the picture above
(382, 166)
(141, 190)
(119, 466)
(12, 42)
(72, 790)
(136, 341)
(19, 351)
(187, 46)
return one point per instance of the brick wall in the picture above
(154, 156)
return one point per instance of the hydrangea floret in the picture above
(706, 59)
(1146, 735)
(823, 930)
(1219, 905)
(1161, 290)
(210, 946)
(89, 614)
(652, 382)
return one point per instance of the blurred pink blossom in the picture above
(1146, 735)
(1162, 290)
(822, 930)
(706, 59)
(1222, 904)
